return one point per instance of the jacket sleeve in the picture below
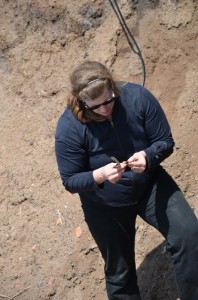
(157, 130)
(72, 158)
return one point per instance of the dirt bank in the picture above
(41, 255)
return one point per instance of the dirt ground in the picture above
(46, 249)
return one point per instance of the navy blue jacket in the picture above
(138, 123)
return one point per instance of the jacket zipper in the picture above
(118, 139)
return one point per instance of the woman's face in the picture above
(103, 105)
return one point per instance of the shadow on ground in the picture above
(156, 276)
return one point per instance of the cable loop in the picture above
(129, 36)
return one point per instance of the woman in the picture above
(110, 142)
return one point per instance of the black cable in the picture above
(129, 36)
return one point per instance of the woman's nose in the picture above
(103, 108)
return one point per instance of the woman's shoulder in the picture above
(69, 117)
(136, 91)
(128, 86)
(130, 92)
(68, 123)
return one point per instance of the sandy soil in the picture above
(42, 256)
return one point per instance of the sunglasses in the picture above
(94, 107)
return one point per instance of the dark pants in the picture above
(165, 208)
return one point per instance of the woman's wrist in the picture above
(99, 175)
(143, 153)
(145, 156)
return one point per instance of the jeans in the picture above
(163, 207)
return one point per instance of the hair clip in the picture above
(94, 80)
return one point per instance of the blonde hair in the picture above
(88, 81)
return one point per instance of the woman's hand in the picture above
(111, 172)
(138, 162)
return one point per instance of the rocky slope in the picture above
(42, 256)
